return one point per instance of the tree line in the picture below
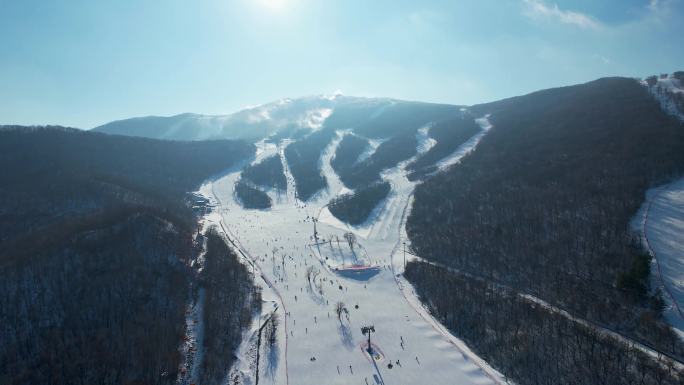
(355, 208)
(250, 197)
(449, 134)
(529, 343)
(268, 173)
(96, 236)
(544, 204)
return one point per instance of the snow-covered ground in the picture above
(191, 349)
(314, 346)
(661, 225)
(660, 220)
(467, 147)
(663, 90)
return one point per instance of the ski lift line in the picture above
(248, 257)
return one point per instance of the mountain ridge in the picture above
(252, 123)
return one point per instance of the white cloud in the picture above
(662, 7)
(538, 9)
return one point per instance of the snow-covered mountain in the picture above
(668, 89)
(284, 118)
(480, 243)
(249, 123)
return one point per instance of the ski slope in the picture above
(660, 222)
(314, 346)
(663, 91)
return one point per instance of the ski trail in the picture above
(408, 292)
(192, 349)
(663, 90)
(315, 348)
(401, 188)
(660, 223)
(226, 205)
(291, 194)
(465, 148)
(335, 185)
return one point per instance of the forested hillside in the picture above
(251, 197)
(403, 118)
(229, 307)
(347, 154)
(303, 159)
(544, 203)
(388, 154)
(396, 121)
(51, 173)
(449, 134)
(527, 342)
(268, 173)
(354, 208)
(96, 236)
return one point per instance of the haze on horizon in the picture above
(82, 63)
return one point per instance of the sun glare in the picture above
(273, 4)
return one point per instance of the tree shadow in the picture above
(346, 336)
(379, 375)
(273, 359)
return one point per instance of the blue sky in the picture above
(83, 63)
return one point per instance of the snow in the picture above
(335, 185)
(661, 91)
(314, 119)
(425, 142)
(244, 368)
(467, 147)
(192, 349)
(385, 217)
(660, 222)
(373, 145)
(280, 244)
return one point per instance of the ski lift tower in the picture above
(314, 220)
(368, 330)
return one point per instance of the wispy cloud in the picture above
(538, 9)
(662, 7)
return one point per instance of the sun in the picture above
(274, 5)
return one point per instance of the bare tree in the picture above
(271, 329)
(351, 240)
(310, 274)
(340, 309)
